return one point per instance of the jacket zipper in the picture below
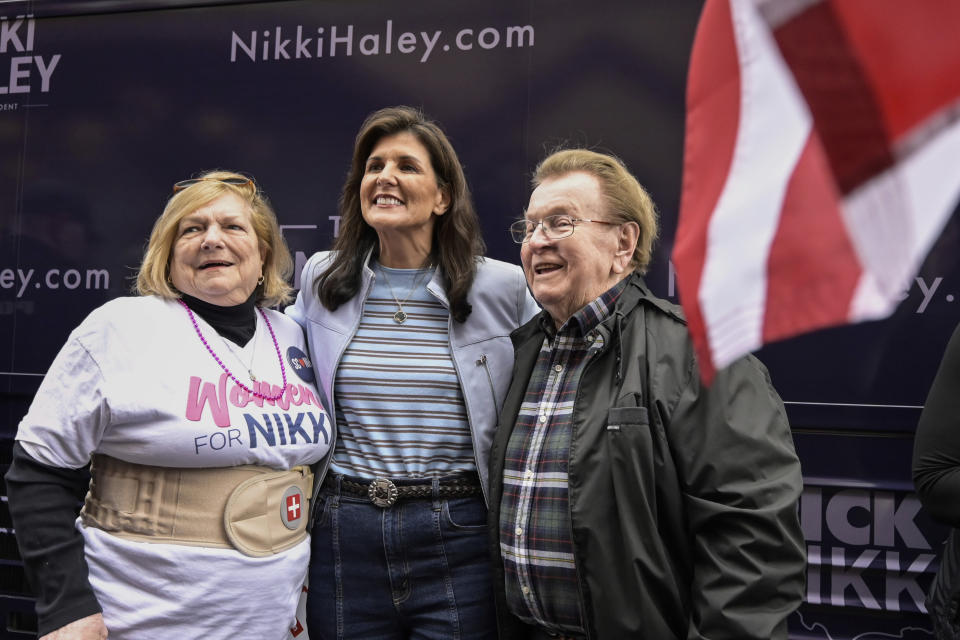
(576, 565)
(318, 482)
(466, 405)
(482, 362)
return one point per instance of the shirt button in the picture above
(525, 589)
(529, 473)
(543, 418)
(518, 531)
(558, 368)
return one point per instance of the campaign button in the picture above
(301, 365)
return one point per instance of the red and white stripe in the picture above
(819, 167)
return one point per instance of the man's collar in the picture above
(634, 292)
(591, 315)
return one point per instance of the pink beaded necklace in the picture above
(283, 371)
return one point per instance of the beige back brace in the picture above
(255, 510)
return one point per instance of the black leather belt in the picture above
(383, 492)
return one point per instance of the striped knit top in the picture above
(400, 411)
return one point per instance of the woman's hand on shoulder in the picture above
(89, 628)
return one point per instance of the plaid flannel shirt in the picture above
(535, 533)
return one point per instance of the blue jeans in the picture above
(417, 570)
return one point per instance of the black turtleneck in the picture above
(237, 323)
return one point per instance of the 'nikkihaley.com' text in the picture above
(296, 43)
(22, 280)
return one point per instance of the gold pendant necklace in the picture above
(400, 316)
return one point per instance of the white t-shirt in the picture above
(135, 382)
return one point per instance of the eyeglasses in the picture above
(554, 227)
(236, 182)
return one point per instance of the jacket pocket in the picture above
(630, 452)
(630, 417)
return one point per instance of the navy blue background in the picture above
(141, 99)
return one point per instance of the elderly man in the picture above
(628, 500)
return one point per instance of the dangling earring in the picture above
(260, 281)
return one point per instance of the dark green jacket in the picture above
(683, 498)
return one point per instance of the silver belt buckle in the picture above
(382, 492)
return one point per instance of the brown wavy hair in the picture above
(457, 242)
